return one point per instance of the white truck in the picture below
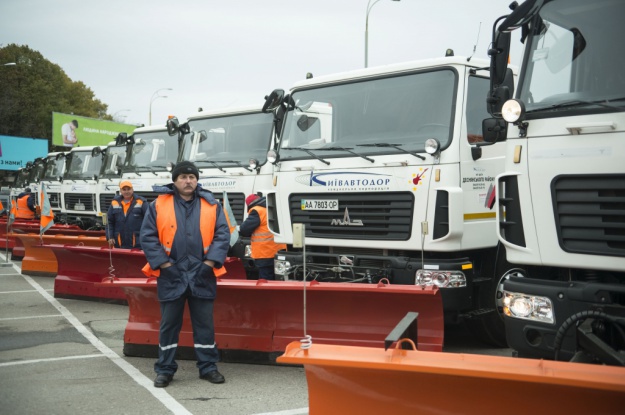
(111, 172)
(561, 199)
(387, 170)
(78, 201)
(229, 147)
(52, 177)
(148, 164)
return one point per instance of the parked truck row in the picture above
(507, 194)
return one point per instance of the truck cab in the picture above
(229, 147)
(111, 171)
(78, 203)
(150, 159)
(388, 172)
(561, 199)
(52, 179)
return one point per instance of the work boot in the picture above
(213, 377)
(162, 380)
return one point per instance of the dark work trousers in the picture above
(265, 268)
(201, 311)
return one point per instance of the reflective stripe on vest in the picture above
(263, 245)
(166, 226)
(23, 211)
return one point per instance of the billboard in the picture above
(75, 131)
(15, 152)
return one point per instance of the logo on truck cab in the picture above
(346, 221)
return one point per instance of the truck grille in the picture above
(237, 204)
(105, 201)
(55, 200)
(236, 200)
(384, 216)
(83, 202)
(511, 222)
(590, 213)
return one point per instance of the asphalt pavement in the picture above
(60, 356)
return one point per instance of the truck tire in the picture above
(488, 326)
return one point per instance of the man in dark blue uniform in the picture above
(125, 216)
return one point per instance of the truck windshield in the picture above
(113, 161)
(54, 168)
(36, 172)
(152, 151)
(228, 140)
(22, 177)
(82, 165)
(576, 58)
(402, 110)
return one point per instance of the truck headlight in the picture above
(513, 110)
(528, 307)
(441, 279)
(281, 267)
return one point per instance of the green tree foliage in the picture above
(34, 88)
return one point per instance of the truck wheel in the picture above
(488, 326)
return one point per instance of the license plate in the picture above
(315, 204)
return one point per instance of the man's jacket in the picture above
(123, 227)
(187, 251)
(26, 206)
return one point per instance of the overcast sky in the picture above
(219, 54)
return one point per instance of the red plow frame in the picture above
(255, 320)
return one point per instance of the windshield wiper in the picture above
(577, 103)
(349, 150)
(137, 168)
(396, 146)
(310, 153)
(212, 163)
(238, 163)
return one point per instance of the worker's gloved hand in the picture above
(111, 242)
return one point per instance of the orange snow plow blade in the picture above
(8, 241)
(364, 380)
(81, 268)
(40, 260)
(256, 320)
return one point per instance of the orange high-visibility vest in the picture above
(23, 211)
(263, 245)
(166, 226)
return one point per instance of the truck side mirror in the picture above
(494, 130)
(500, 94)
(121, 138)
(273, 100)
(173, 125)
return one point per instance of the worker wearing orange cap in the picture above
(125, 216)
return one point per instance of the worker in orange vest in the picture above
(185, 238)
(26, 207)
(264, 249)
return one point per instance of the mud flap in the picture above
(40, 260)
(364, 380)
(263, 317)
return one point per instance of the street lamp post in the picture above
(369, 7)
(156, 96)
(117, 112)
